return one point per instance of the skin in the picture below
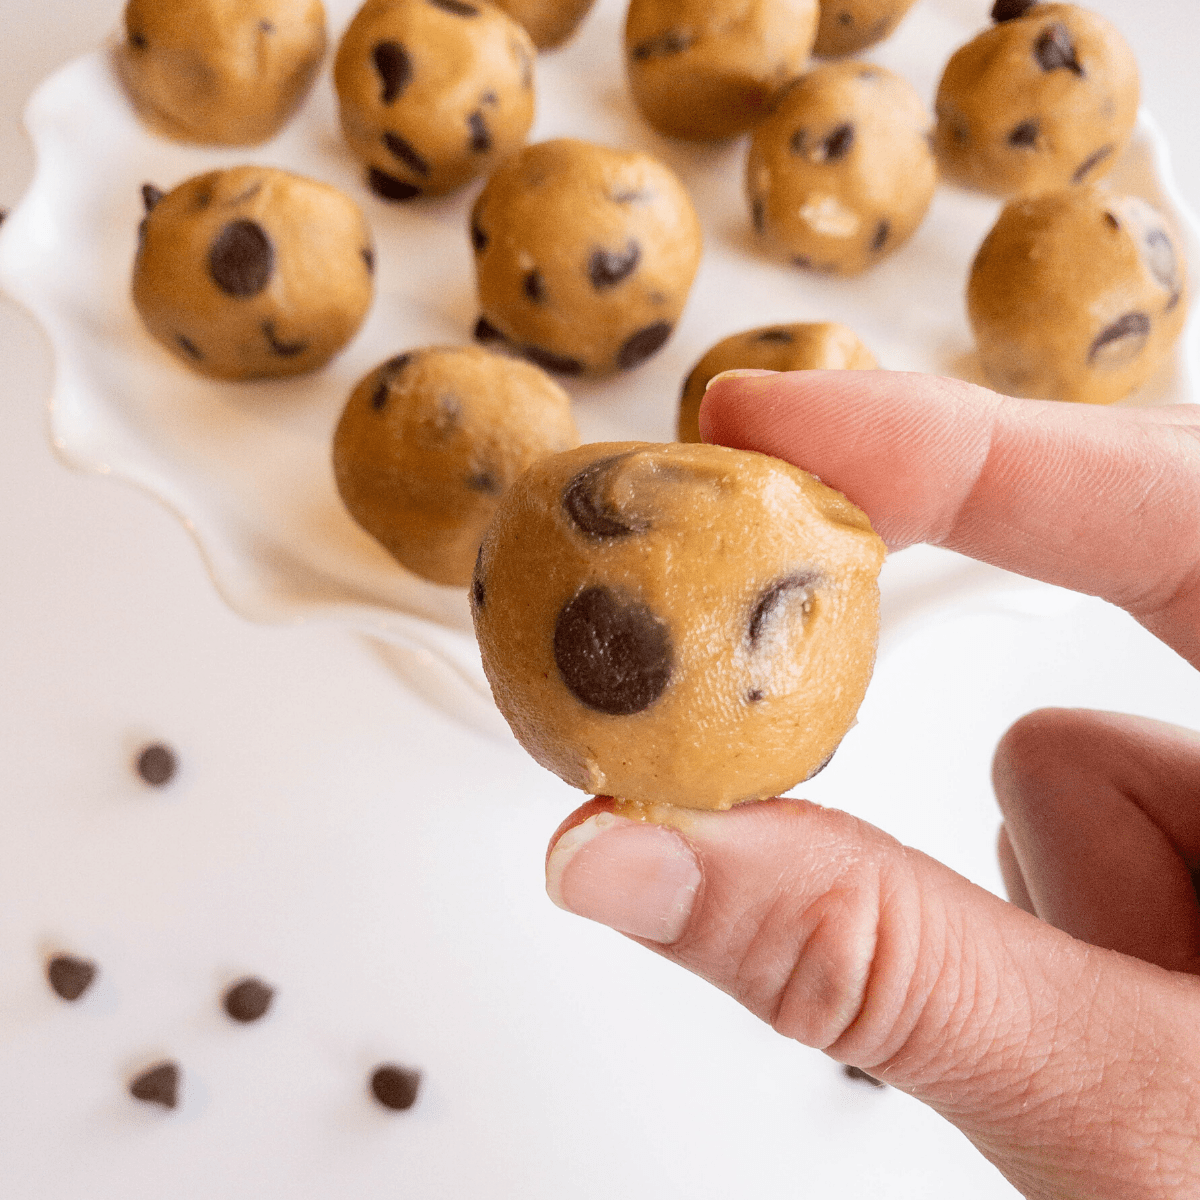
(1060, 1032)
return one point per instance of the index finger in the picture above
(1104, 501)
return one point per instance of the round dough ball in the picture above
(548, 22)
(433, 92)
(677, 624)
(227, 72)
(252, 272)
(584, 256)
(841, 173)
(825, 346)
(710, 69)
(1044, 99)
(1076, 295)
(848, 26)
(429, 442)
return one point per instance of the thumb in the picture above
(1072, 1068)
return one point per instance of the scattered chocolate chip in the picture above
(394, 67)
(584, 503)
(404, 152)
(607, 268)
(189, 347)
(481, 136)
(561, 364)
(479, 239)
(783, 336)
(773, 597)
(485, 331)
(882, 232)
(803, 262)
(388, 374)
(1090, 163)
(662, 45)
(157, 764)
(138, 41)
(241, 259)
(1110, 219)
(641, 345)
(613, 653)
(1054, 49)
(485, 482)
(248, 1000)
(868, 73)
(632, 196)
(489, 98)
(839, 143)
(860, 1076)
(267, 26)
(281, 348)
(478, 593)
(203, 198)
(1119, 344)
(368, 257)
(158, 1085)
(1024, 135)
(69, 976)
(534, 286)
(456, 7)
(846, 19)
(754, 695)
(151, 195)
(1010, 10)
(396, 1087)
(758, 214)
(389, 187)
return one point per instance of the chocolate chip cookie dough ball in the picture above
(211, 71)
(1045, 98)
(710, 69)
(848, 26)
(841, 173)
(677, 624)
(584, 256)
(433, 92)
(1076, 295)
(548, 22)
(253, 272)
(430, 441)
(823, 346)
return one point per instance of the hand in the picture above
(1067, 1048)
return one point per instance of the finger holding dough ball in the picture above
(710, 69)
(841, 173)
(253, 273)
(677, 624)
(1076, 295)
(433, 93)
(848, 26)
(823, 346)
(213, 72)
(548, 22)
(1044, 99)
(429, 442)
(584, 256)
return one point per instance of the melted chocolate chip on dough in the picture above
(663, 45)
(404, 152)
(773, 598)
(1054, 49)
(584, 503)
(1090, 163)
(607, 268)
(1010, 10)
(481, 137)
(1121, 342)
(394, 65)
(241, 259)
(389, 187)
(642, 344)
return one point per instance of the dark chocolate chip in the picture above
(803, 262)
(1110, 219)
(534, 286)
(69, 976)
(397, 1087)
(241, 259)
(478, 593)
(368, 256)
(632, 196)
(1024, 135)
(771, 600)
(485, 331)
(138, 41)
(846, 19)
(1160, 258)
(839, 143)
(613, 653)
(151, 195)
(157, 764)
(882, 232)
(479, 239)
(1010, 10)
(758, 214)
(395, 69)
(389, 187)
(868, 73)
(641, 345)
(248, 194)
(456, 7)
(1089, 164)
(388, 374)
(860, 1076)
(583, 501)
(754, 695)
(158, 1085)
(481, 135)
(1119, 344)
(662, 45)
(248, 1000)
(485, 482)
(1054, 49)
(267, 26)
(189, 347)
(281, 348)
(561, 364)
(783, 336)
(607, 268)
(202, 198)
(798, 141)
(403, 152)
(489, 98)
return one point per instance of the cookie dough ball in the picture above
(220, 72)
(848, 26)
(710, 69)
(548, 22)
(841, 173)
(433, 92)
(253, 272)
(825, 346)
(584, 256)
(430, 441)
(1045, 98)
(1076, 295)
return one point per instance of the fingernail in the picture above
(738, 373)
(633, 876)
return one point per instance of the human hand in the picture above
(1067, 1048)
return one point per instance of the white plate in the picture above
(246, 466)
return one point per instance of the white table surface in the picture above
(381, 864)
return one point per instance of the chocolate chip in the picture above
(478, 591)
(485, 482)
(203, 198)
(632, 196)
(396, 1087)
(534, 286)
(69, 976)
(1160, 258)
(882, 232)
(860, 1076)
(613, 653)
(783, 336)
(389, 187)
(754, 695)
(479, 239)
(773, 598)
(404, 152)
(189, 347)
(1120, 343)
(248, 194)
(607, 268)
(481, 136)
(158, 1085)
(1010, 10)
(489, 98)
(241, 259)
(485, 331)
(803, 262)
(248, 1000)
(267, 26)
(641, 345)
(395, 69)
(758, 214)
(151, 195)
(138, 41)
(1054, 49)
(157, 764)
(846, 19)
(1110, 219)
(388, 374)
(281, 348)
(561, 364)
(456, 7)
(583, 500)
(1025, 134)
(662, 45)
(368, 256)
(1090, 163)
(838, 144)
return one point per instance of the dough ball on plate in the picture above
(848, 26)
